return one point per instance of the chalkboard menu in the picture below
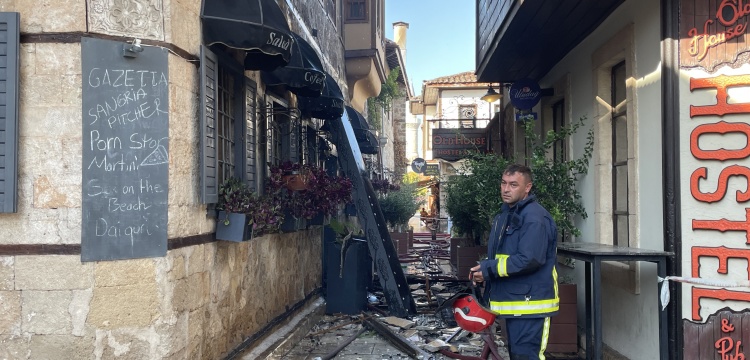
(125, 150)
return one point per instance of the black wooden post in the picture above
(382, 251)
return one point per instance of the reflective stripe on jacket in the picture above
(520, 271)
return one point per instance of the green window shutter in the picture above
(250, 133)
(9, 55)
(209, 162)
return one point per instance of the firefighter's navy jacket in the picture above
(520, 270)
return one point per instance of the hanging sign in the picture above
(525, 94)
(712, 32)
(526, 116)
(456, 144)
(432, 170)
(418, 165)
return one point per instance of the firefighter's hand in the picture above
(476, 275)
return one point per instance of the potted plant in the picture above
(398, 207)
(319, 199)
(326, 194)
(266, 217)
(235, 201)
(294, 176)
(473, 196)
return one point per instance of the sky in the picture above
(440, 40)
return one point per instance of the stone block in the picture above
(14, 347)
(183, 103)
(37, 148)
(124, 306)
(124, 346)
(72, 155)
(181, 194)
(196, 331)
(183, 159)
(71, 90)
(63, 120)
(125, 272)
(10, 312)
(59, 59)
(175, 331)
(182, 25)
(195, 259)
(177, 270)
(52, 16)
(46, 312)
(7, 274)
(68, 347)
(52, 272)
(27, 61)
(191, 293)
(41, 90)
(51, 194)
(69, 225)
(79, 310)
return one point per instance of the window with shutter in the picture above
(228, 123)
(279, 129)
(208, 84)
(9, 54)
(251, 175)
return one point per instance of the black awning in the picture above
(329, 105)
(370, 145)
(359, 124)
(303, 75)
(256, 26)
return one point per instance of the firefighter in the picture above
(519, 275)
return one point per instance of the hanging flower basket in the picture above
(295, 181)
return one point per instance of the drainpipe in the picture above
(670, 122)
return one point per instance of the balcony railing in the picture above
(458, 123)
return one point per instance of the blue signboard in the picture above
(525, 94)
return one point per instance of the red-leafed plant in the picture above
(322, 194)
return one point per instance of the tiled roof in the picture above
(460, 78)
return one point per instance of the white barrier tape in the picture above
(664, 294)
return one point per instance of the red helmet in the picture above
(470, 315)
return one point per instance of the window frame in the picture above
(241, 135)
(619, 48)
(348, 18)
(620, 203)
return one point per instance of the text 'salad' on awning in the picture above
(257, 27)
(368, 142)
(303, 75)
(328, 106)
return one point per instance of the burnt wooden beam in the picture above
(398, 341)
(391, 276)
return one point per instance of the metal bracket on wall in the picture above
(384, 255)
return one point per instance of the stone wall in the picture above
(399, 133)
(197, 302)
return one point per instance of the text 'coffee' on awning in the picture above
(303, 75)
(328, 106)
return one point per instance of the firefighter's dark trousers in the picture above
(527, 337)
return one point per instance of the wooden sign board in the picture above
(712, 32)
